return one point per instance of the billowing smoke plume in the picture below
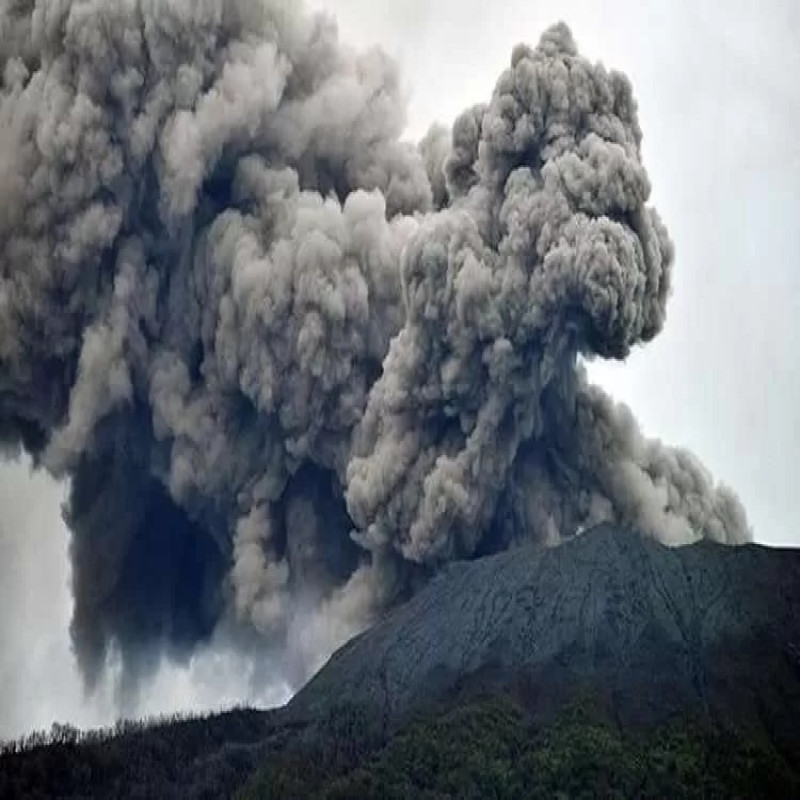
(290, 363)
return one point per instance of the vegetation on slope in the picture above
(486, 748)
(208, 756)
(475, 746)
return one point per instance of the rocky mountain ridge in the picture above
(652, 630)
(609, 661)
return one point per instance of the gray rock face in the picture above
(652, 631)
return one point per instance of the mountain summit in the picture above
(610, 665)
(651, 631)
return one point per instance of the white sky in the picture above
(719, 105)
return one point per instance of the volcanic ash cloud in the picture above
(290, 363)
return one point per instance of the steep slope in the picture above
(610, 661)
(650, 631)
(487, 747)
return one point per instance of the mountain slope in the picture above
(487, 746)
(652, 631)
(610, 661)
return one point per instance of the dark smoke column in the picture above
(548, 251)
(290, 363)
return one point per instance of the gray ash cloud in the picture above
(291, 363)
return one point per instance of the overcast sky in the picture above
(719, 106)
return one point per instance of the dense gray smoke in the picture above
(290, 363)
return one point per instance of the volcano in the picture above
(610, 663)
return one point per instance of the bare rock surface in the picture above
(709, 630)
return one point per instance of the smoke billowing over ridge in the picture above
(291, 363)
